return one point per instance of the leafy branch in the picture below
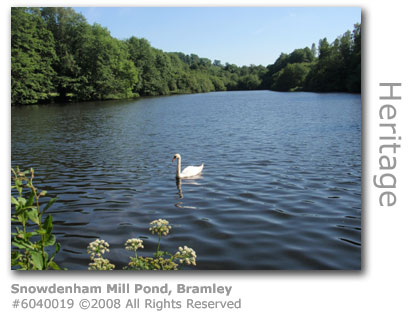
(30, 246)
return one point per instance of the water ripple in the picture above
(281, 188)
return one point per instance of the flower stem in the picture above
(157, 248)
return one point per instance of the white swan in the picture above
(188, 172)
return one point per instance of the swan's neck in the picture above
(178, 168)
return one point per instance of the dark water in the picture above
(281, 187)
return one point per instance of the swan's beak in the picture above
(174, 158)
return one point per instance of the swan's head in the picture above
(176, 156)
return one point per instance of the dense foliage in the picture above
(33, 238)
(57, 55)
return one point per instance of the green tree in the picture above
(145, 59)
(353, 82)
(301, 55)
(249, 82)
(32, 57)
(110, 74)
(338, 67)
(217, 63)
(56, 53)
(291, 77)
(218, 83)
(314, 50)
(71, 33)
(323, 48)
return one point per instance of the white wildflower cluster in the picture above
(133, 244)
(101, 264)
(160, 227)
(186, 255)
(97, 248)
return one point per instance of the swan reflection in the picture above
(180, 192)
(179, 186)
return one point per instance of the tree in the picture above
(249, 82)
(298, 56)
(217, 63)
(291, 77)
(147, 60)
(353, 82)
(338, 67)
(323, 48)
(218, 83)
(32, 57)
(56, 54)
(314, 50)
(110, 73)
(71, 33)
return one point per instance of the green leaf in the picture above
(48, 224)
(22, 216)
(53, 265)
(15, 258)
(37, 260)
(22, 244)
(30, 200)
(33, 216)
(14, 201)
(49, 241)
(160, 254)
(57, 249)
(22, 201)
(28, 235)
(50, 203)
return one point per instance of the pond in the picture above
(280, 189)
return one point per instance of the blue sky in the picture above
(239, 35)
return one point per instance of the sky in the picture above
(238, 35)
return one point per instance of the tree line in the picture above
(57, 56)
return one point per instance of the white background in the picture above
(379, 290)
